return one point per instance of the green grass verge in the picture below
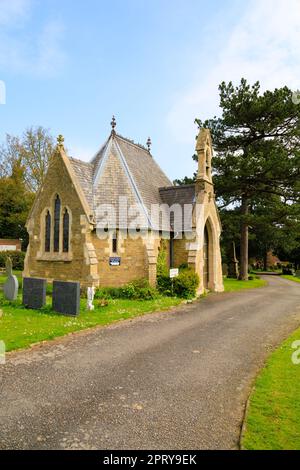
(20, 327)
(273, 418)
(3, 277)
(232, 285)
(290, 277)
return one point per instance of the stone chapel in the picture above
(81, 226)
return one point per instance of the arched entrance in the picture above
(206, 258)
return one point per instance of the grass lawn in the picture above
(3, 277)
(231, 285)
(20, 327)
(273, 418)
(291, 278)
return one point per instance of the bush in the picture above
(162, 265)
(289, 270)
(17, 258)
(186, 284)
(164, 285)
(108, 293)
(135, 290)
(183, 266)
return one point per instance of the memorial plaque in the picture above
(66, 297)
(34, 293)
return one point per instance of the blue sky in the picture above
(155, 64)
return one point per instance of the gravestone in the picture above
(11, 286)
(34, 293)
(66, 297)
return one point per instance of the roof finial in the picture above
(60, 140)
(113, 125)
(149, 143)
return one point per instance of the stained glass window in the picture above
(57, 205)
(47, 231)
(66, 231)
(115, 242)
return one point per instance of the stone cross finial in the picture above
(149, 143)
(113, 125)
(60, 140)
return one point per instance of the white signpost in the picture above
(174, 272)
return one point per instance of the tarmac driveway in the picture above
(176, 380)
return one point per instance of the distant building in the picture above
(83, 224)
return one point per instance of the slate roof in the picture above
(123, 168)
(84, 174)
(185, 197)
(184, 194)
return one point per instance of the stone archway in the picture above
(209, 255)
(206, 264)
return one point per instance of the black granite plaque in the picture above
(34, 293)
(66, 297)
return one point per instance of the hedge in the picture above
(184, 285)
(17, 258)
(135, 290)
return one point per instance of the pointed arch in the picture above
(56, 235)
(206, 263)
(210, 233)
(66, 231)
(47, 231)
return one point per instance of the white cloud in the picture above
(13, 10)
(26, 48)
(264, 45)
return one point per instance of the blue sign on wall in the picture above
(114, 261)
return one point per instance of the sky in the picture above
(69, 65)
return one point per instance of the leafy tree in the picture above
(185, 180)
(33, 151)
(15, 204)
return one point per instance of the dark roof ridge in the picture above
(181, 186)
(132, 142)
(79, 160)
(96, 156)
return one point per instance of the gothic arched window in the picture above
(47, 231)
(66, 231)
(207, 162)
(57, 205)
(115, 242)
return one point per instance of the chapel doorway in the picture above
(206, 258)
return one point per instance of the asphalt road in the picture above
(176, 380)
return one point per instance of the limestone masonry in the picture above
(103, 223)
